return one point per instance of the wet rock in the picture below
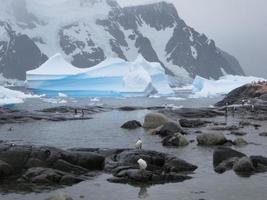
(177, 140)
(161, 168)
(170, 128)
(238, 133)
(70, 180)
(264, 134)
(186, 123)
(221, 154)
(131, 125)
(243, 166)
(259, 162)
(211, 139)
(240, 141)
(225, 128)
(154, 120)
(5, 169)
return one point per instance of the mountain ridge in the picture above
(85, 38)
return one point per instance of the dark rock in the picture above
(238, 133)
(243, 166)
(192, 123)
(259, 162)
(221, 154)
(264, 134)
(131, 125)
(5, 169)
(70, 180)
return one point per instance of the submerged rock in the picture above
(154, 120)
(211, 139)
(131, 125)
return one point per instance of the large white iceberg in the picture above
(112, 77)
(203, 88)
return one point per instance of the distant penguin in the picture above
(139, 144)
(252, 108)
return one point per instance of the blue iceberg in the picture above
(112, 77)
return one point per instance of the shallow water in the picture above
(104, 131)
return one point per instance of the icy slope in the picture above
(203, 88)
(112, 77)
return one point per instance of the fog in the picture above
(237, 26)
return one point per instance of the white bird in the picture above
(139, 144)
(142, 164)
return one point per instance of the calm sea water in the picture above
(104, 131)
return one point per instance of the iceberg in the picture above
(112, 77)
(204, 88)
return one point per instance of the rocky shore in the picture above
(44, 166)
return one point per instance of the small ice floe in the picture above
(55, 101)
(95, 99)
(154, 96)
(62, 95)
(171, 106)
(175, 98)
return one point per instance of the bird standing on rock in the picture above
(142, 164)
(139, 144)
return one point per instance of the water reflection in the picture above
(143, 194)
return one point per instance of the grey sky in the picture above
(237, 26)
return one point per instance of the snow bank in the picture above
(203, 88)
(112, 77)
(9, 97)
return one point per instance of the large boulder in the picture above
(177, 140)
(170, 128)
(131, 125)
(211, 139)
(154, 120)
(222, 154)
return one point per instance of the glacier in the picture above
(112, 77)
(205, 88)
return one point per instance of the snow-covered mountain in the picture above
(87, 32)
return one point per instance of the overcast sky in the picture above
(237, 26)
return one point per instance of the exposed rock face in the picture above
(175, 140)
(245, 92)
(18, 53)
(156, 31)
